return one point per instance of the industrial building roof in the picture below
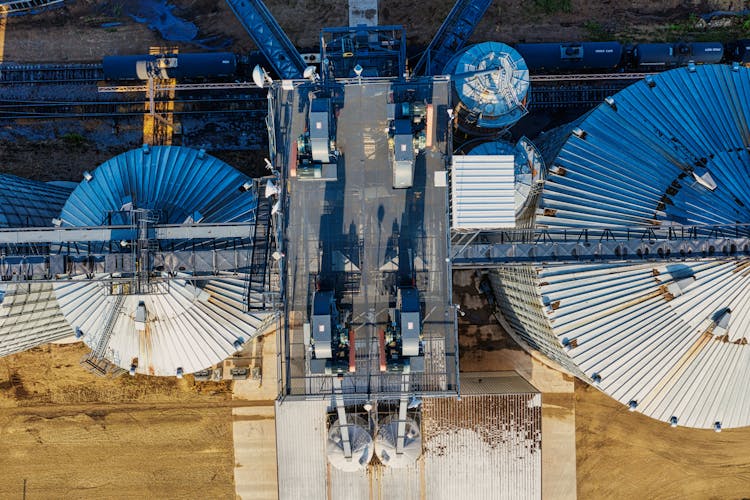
(485, 445)
(483, 189)
(29, 316)
(642, 159)
(672, 338)
(27, 203)
(359, 236)
(669, 340)
(180, 323)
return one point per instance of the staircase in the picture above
(258, 282)
(95, 361)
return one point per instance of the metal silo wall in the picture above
(29, 313)
(517, 293)
(25, 203)
(190, 326)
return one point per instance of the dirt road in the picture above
(70, 434)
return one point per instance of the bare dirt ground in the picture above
(58, 160)
(628, 455)
(70, 434)
(75, 32)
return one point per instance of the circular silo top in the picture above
(177, 324)
(668, 338)
(492, 82)
(360, 444)
(386, 445)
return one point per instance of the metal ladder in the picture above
(19, 6)
(95, 361)
(258, 277)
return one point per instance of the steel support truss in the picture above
(202, 251)
(486, 249)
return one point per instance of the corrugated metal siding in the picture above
(518, 296)
(619, 173)
(632, 165)
(652, 348)
(483, 192)
(182, 329)
(483, 447)
(29, 314)
(175, 180)
(301, 450)
(25, 203)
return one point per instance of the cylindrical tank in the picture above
(360, 442)
(29, 314)
(181, 326)
(706, 52)
(739, 51)
(661, 55)
(179, 66)
(491, 86)
(386, 442)
(548, 57)
(668, 338)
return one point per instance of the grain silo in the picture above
(349, 448)
(29, 315)
(176, 325)
(666, 338)
(398, 443)
(491, 84)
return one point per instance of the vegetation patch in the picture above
(552, 6)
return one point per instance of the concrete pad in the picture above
(363, 12)
(558, 446)
(267, 387)
(254, 431)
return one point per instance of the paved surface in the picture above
(362, 238)
(254, 453)
(254, 429)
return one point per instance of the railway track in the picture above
(255, 106)
(50, 73)
(572, 96)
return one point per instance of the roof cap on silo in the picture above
(492, 81)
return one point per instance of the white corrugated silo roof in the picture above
(670, 338)
(186, 324)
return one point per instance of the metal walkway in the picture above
(105, 253)
(269, 37)
(452, 35)
(586, 95)
(24, 5)
(552, 245)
